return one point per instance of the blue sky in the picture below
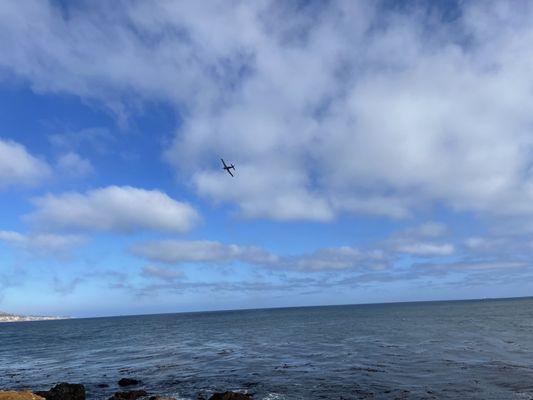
(383, 153)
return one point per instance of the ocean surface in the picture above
(431, 350)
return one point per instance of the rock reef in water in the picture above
(128, 382)
(68, 391)
(132, 395)
(64, 391)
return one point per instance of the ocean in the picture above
(480, 349)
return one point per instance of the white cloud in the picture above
(396, 208)
(20, 168)
(501, 247)
(338, 259)
(425, 240)
(427, 249)
(164, 274)
(477, 242)
(12, 237)
(215, 253)
(466, 267)
(266, 191)
(427, 230)
(42, 243)
(492, 265)
(118, 209)
(327, 109)
(72, 164)
(181, 251)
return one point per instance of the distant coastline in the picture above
(6, 317)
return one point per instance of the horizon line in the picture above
(305, 306)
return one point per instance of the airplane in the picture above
(228, 168)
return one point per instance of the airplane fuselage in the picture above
(227, 168)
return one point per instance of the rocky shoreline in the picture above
(76, 391)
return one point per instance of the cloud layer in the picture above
(42, 244)
(216, 253)
(344, 107)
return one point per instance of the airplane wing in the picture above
(223, 163)
(229, 172)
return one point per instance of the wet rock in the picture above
(128, 382)
(230, 396)
(131, 395)
(64, 391)
(102, 385)
(12, 395)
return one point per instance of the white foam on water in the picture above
(274, 396)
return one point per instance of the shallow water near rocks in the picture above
(431, 350)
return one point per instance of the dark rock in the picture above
(230, 396)
(64, 391)
(103, 385)
(128, 382)
(132, 395)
